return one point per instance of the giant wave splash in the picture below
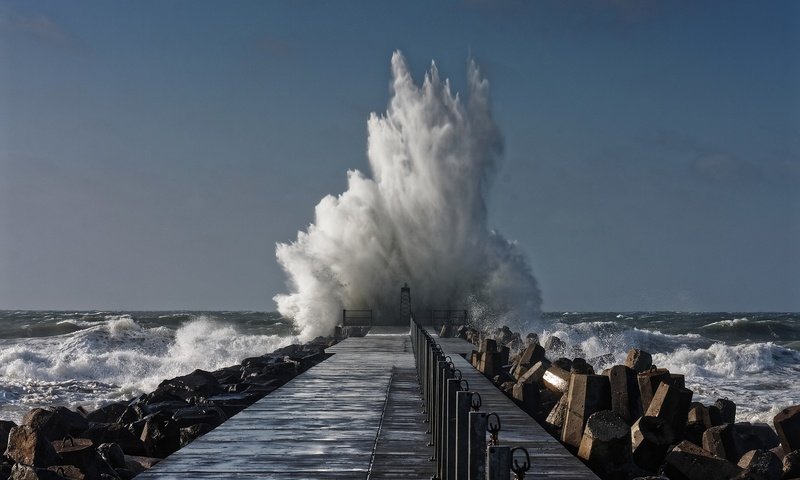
(420, 218)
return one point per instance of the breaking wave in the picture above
(420, 218)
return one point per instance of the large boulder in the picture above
(189, 434)
(80, 452)
(791, 465)
(108, 413)
(161, 435)
(56, 423)
(196, 384)
(121, 435)
(30, 447)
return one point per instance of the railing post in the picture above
(476, 463)
(463, 405)
(498, 462)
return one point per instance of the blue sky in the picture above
(153, 153)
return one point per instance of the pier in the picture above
(359, 414)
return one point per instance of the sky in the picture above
(153, 153)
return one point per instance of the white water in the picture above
(116, 360)
(420, 218)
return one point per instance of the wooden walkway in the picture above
(549, 459)
(355, 415)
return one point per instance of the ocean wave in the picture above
(119, 359)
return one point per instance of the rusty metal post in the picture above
(498, 462)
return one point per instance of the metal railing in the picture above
(457, 427)
(356, 318)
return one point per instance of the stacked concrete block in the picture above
(625, 398)
(672, 404)
(687, 461)
(587, 394)
(605, 445)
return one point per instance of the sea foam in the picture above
(419, 218)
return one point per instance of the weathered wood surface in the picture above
(355, 415)
(549, 459)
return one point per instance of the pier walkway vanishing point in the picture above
(355, 415)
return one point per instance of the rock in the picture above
(694, 432)
(81, 453)
(527, 395)
(30, 447)
(651, 438)
(672, 404)
(101, 433)
(108, 413)
(138, 464)
(169, 406)
(638, 360)
(193, 415)
(648, 384)
(605, 445)
(5, 429)
(787, 424)
(197, 384)
(762, 463)
(791, 464)
(587, 394)
(112, 454)
(554, 344)
(625, 398)
(26, 472)
(189, 434)
(161, 435)
(687, 461)
(727, 410)
(556, 379)
(532, 338)
(133, 412)
(580, 366)
(56, 423)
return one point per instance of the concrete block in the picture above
(490, 364)
(534, 374)
(556, 379)
(720, 440)
(532, 354)
(677, 380)
(605, 445)
(651, 438)
(527, 395)
(579, 365)
(555, 419)
(672, 404)
(754, 436)
(625, 398)
(648, 384)
(791, 465)
(787, 424)
(639, 360)
(762, 463)
(687, 461)
(587, 394)
(727, 410)
(488, 345)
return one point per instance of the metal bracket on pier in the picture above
(493, 428)
(518, 468)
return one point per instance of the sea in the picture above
(90, 358)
